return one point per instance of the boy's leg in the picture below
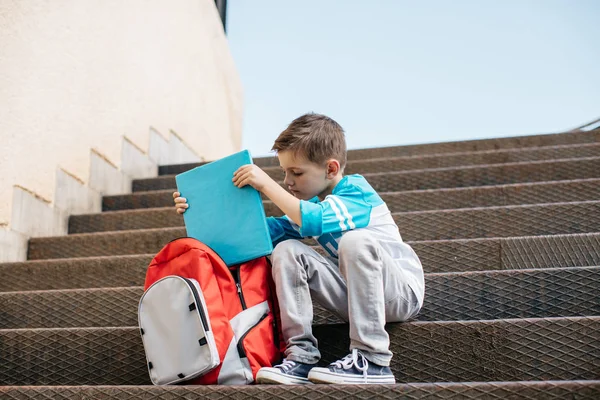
(377, 293)
(299, 272)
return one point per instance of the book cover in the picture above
(228, 219)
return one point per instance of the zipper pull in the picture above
(239, 288)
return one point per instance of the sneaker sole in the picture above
(269, 377)
(331, 377)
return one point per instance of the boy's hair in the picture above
(316, 137)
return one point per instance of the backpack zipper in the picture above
(240, 347)
(199, 304)
(238, 285)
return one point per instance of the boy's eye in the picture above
(297, 173)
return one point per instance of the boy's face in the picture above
(303, 178)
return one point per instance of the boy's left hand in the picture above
(252, 175)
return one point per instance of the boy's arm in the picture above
(252, 175)
(284, 200)
(348, 209)
(281, 228)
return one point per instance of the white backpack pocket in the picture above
(175, 327)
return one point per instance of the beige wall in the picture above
(77, 75)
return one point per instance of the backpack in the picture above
(205, 323)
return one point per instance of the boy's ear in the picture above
(333, 168)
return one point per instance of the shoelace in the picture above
(352, 360)
(286, 365)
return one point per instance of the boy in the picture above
(370, 276)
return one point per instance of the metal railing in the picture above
(590, 126)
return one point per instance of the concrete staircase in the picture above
(508, 231)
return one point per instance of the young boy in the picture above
(370, 276)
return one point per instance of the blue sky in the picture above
(395, 72)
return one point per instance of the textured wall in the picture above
(76, 75)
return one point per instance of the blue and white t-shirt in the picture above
(353, 204)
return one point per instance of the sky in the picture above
(396, 72)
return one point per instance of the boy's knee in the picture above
(287, 257)
(286, 251)
(286, 245)
(355, 242)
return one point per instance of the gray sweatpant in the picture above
(367, 289)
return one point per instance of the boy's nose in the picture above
(287, 181)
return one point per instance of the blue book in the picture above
(228, 219)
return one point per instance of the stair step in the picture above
(417, 200)
(436, 256)
(499, 350)
(72, 308)
(479, 145)
(528, 220)
(130, 270)
(427, 161)
(533, 293)
(478, 175)
(519, 142)
(559, 292)
(509, 221)
(581, 390)
(516, 349)
(512, 294)
(579, 250)
(146, 241)
(74, 273)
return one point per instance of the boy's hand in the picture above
(252, 175)
(180, 203)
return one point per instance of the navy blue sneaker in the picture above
(287, 373)
(354, 368)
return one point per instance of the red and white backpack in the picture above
(205, 323)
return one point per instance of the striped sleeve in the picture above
(338, 212)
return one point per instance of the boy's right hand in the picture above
(180, 203)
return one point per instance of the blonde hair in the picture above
(314, 136)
